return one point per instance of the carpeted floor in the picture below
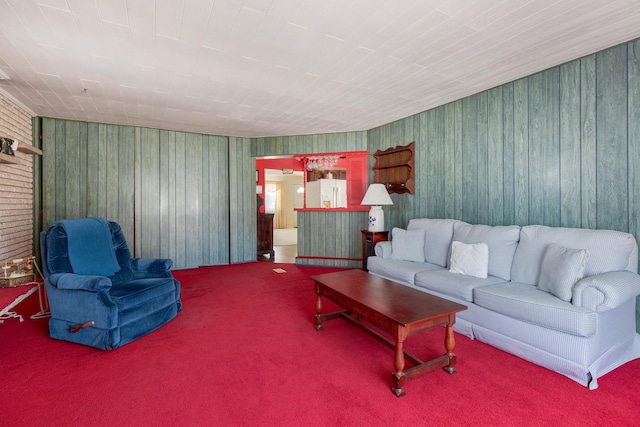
(244, 352)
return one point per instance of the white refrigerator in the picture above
(327, 193)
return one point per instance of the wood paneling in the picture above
(174, 184)
(611, 139)
(633, 103)
(552, 148)
(470, 148)
(558, 148)
(633, 123)
(495, 169)
(330, 238)
(216, 201)
(544, 149)
(588, 177)
(242, 201)
(305, 144)
(569, 139)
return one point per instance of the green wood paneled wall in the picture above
(322, 234)
(327, 235)
(559, 148)
(168, 190)
(36, 127)
(242, 201)
(88, 170)
(304, 144)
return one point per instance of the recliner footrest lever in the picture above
(79, 327)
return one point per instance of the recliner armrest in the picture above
(606, 291)
(151, 267)
(78, 281)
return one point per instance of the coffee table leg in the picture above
(398, 378)
(318, 310)
(450, 344)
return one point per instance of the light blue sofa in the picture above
(583, 336)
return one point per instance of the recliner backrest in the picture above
(55, 256)
(123, 255)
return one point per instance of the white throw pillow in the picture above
(470, 259)
(407, 245)
(561, 268)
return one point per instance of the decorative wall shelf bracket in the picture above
(395, 168)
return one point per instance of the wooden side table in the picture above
(369, 241)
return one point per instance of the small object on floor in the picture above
(279, 270)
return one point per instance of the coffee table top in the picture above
(398, 302)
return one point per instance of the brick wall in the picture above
(16, 186)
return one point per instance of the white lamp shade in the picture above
(376, 196)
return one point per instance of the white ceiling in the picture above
(285, 67)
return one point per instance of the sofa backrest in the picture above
(437, 238)
(608, 250)
(501, 240)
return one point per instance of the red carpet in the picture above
(244, 352)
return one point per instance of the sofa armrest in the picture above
(151, 267)
(606, 291)
(80, 282)
(383, 249)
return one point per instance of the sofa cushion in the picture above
(469, 259)
(407, 245)
(608, 250)
(561, 269)
(455, 285)
(437, 238)
(501, 240)
(397, 270)
(530, 304)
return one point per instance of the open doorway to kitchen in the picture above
(281, 186)
(284, 192)
(289, 185)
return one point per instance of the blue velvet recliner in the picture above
(98, 295)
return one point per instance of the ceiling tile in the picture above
(114, 11)
(281, 67)
(169, 18)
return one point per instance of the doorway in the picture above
(284, 192)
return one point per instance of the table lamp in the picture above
(376, 196)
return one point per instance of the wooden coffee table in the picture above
(398, 310)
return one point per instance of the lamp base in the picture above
(376, 218)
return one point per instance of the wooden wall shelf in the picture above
(395, 168)
(29, 149)
(23, 148)
(5, 158)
